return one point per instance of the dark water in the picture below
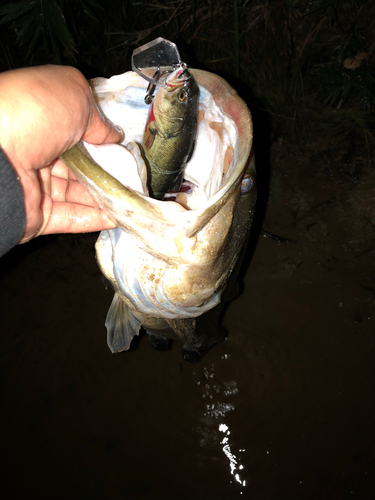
(283, 409)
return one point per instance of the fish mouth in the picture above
(110, 193)
(185, 188)
(178, 78)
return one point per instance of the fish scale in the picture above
(170, 132)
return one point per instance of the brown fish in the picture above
(170, 132)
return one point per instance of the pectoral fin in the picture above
(149, 136)
(121, 325)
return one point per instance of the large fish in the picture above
(172, 265)
(170, 132)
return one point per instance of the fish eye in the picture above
(247, 183)
(182, 96)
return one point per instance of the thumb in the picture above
(100, 130)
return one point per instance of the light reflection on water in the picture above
(233, 461)
(219, 398)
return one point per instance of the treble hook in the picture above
(151, 88)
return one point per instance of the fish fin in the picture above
(121, 325)
(184, 328)
(149, 136)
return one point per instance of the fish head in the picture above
(174, 103)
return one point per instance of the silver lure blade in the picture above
(160, 54)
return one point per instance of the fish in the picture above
(172, 264)
(169, 137)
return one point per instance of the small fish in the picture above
(170, 133)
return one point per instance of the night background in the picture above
(285, 407)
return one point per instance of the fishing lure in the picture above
(171, 129)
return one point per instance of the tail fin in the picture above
(121, 325)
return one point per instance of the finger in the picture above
(73, 218)
(77, 193)
(59, 169)
(44, 177)
(70, 191)
(72, 176)
(100, 130)
(44, 212)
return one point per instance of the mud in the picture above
(283, 409)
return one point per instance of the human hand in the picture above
(44, 111)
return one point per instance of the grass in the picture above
(309, 63)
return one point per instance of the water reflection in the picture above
(233, 462)
(219, 399)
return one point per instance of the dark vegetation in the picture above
(308, 63)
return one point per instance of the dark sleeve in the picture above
(12, 208)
